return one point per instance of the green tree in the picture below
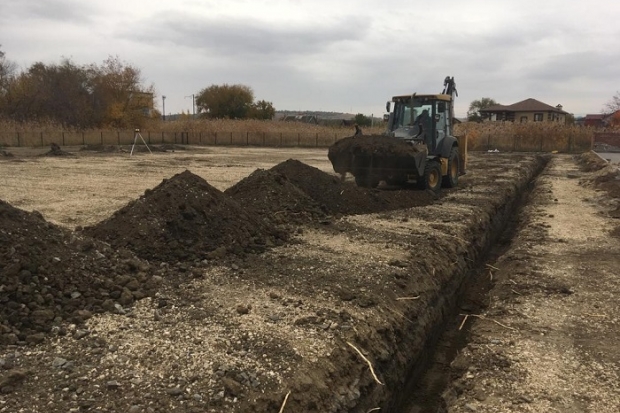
(362, 120)
(473, 114)
(262, 110)
(225, 101)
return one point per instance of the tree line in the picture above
(110, 94)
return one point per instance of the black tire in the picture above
(367, 180)
(361, 180)
(452, 178)
(431, 180)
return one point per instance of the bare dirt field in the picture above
(188, 281)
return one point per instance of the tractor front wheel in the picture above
(432, 177)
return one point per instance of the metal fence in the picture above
(268, 139)
(506, 143)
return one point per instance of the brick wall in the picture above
(610, 138)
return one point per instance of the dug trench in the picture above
(289, 316)
(430, 377)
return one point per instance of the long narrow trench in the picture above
(427, 381)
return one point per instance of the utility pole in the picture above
(193, 105)
(163, 102)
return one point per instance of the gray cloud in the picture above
(245, 37)
(53, 10)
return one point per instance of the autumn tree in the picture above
(362, 120)
(7, 72)
(225, 101)
(232, 102)
(614, 104)
(473, 114)
(262, 110)
(110, 94)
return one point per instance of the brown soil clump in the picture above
(101, 148)
(49, 275)
(55, 150)
(345, 197)
(272, 195)
(185, 219)
(590, 162)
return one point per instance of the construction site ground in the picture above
(497, 296)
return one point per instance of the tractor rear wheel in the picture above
(452, 178)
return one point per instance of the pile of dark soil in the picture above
(49, 275)
(273, 196)
(55, 150)
(590, 162)
(101, 148)
(186, 219)
(376, 144)
(338, 197)
(172, 147)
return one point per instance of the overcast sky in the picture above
(337, 55)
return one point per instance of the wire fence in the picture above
(505, 142)
(267, 139)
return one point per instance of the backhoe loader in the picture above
(418, 145)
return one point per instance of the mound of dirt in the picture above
(328, 191)
(55, 150)
(101, 148)
(338, 197)
(49, 275)
(590, 161)
(185, 219)
(377, 144)
(272, 195)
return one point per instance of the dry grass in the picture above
(503, 136)
(526, 137)
(206, 132)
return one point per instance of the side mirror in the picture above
(388, 105)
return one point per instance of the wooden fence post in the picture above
(541, 144)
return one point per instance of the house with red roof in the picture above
(528, 110)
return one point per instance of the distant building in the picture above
(602, 120)
(596, 121)
(301, 118)
(528, 110)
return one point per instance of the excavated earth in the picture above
(276, 295)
